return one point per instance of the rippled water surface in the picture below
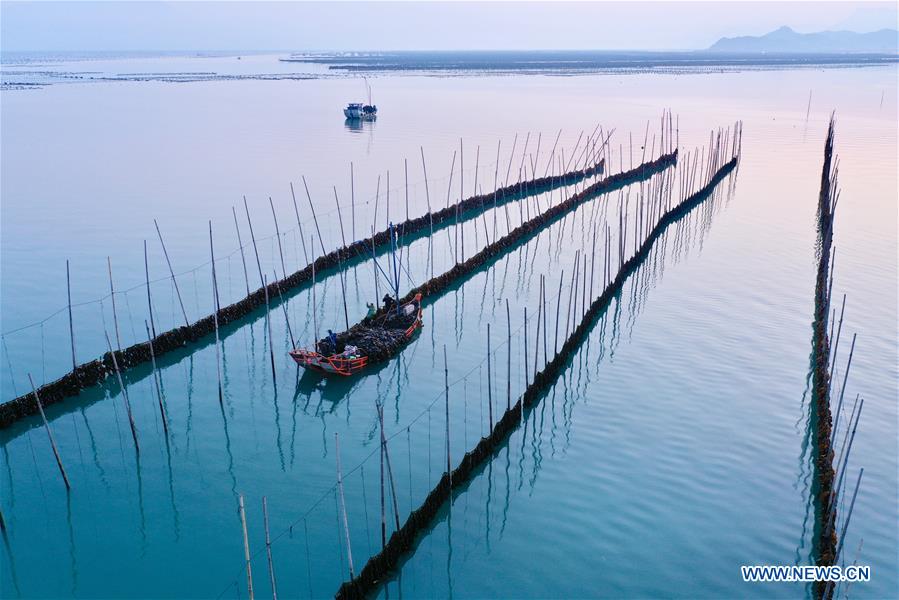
(673, 449)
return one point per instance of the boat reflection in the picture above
(359, 125)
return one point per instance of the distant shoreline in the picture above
(579, 61)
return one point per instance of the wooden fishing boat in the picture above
(371, 340)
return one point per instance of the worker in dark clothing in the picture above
(389, 303)
(332, 337)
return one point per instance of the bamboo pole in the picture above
(215, 317)
(558, 309)
(71, 326)
(115, 318)
(489, 381)
(543, 300)
(314, 218)
(172, 272)
(246, 545)
(424, 169)
(243, 258)
(537, 337)
(449, 469)
(293, 343)
(352, 204)
(149, 298)
(461, 196)
(383, 501)
(253, 238)
(314, 305)
(268, 325)
(40, 407)
(509, 360)
(396, 510)
(346, 526)
(165, 421)
(340, 273)
(268, 550)
(526, 382)
(118, 373)
(278, 236)
(593, 264)
(842, 391)
(511, 156)
(374, 268)
(296, 211)
(339, 217)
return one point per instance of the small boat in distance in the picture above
(358, 110)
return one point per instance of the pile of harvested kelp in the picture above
(378, 338)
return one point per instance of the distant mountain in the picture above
(885, 41)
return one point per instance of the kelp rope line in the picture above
(96, 371)
(401, 541)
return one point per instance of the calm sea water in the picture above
(673, 450)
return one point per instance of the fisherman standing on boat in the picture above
(372, 311)
(389, 302)
(332, 337)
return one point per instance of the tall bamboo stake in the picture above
(842, 391)
(543, 300)
(215, 317)
(489, 381)
(314, 305)
(118, 373)
(430, 213)
(449, 469)
(268, 550)
(37, 400)
(509, 359)
(172, 272)
(115, 317)
(526, 383)
(149, 298)
(537, 337)
(341, 274)
(558, 308)
(246, 545)
(268, 325)
(293, 343)
(383, 502)
(314, 218)
(396, 510)
(253, 238)
(346, 526)
(352, 204)
(296, 211)
(339, 217)
(461, 195)
(165, 421)
(71, 326)
(278, 236)
(374, 268)
(243, 258)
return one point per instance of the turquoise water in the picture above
(670, 453)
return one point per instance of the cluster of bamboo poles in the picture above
(577, 168)
(657, 201)
(654, 214)
(829, 467)
(115, 356)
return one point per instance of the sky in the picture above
(247, 26)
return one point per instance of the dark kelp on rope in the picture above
(96, 371)
(722, 160)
